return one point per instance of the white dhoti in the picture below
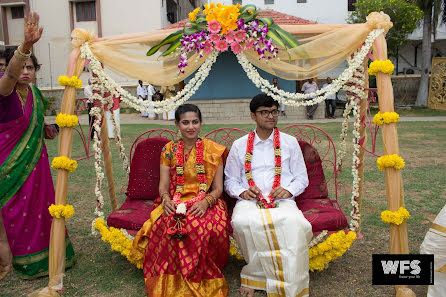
(151, 115)
(274, 243)
(110, 125)
(169, 115)
(435, 243)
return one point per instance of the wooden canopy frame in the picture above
(394, 182)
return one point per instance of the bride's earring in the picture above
(179, 136)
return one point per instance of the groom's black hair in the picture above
(183, 108)
(262, 100)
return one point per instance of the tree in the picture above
(404, 15)
(433, 11)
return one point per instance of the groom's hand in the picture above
(251, 194)
(279, 192)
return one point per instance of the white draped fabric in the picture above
(274, 243)
(435, 243)
(110, 126)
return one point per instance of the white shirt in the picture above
(309, 87)
(141, 91)
(88, 93)
(294, 176)
(330, 97)
(150, 91)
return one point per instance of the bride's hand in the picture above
(199, 208)
(168, 207)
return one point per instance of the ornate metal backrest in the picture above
(323, 143)
(164, 133)
(225, 136)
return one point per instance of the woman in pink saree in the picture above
(26, 186)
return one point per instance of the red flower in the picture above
(180, 179)
(171, 230)
(182, 231)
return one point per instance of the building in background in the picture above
(104, 17)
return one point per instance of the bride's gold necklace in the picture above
(23, 96)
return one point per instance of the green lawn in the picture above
(102, 272)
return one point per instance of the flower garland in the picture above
(381, 66)
(182, 206)
(395, 217)
(269, 201)
(64, 163)
(107, 84)
(74, 81)
(299, 99)
(61, 211)
(331, 249)
(117, 240)
(390, 161)
(385, 118)
(64, 120)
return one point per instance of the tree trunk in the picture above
(426, 59)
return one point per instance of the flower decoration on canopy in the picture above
(221, 28)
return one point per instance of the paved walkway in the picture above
(135, 118)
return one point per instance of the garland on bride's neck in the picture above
(181, 207)
(269, 201)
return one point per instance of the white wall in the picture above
(15, 28)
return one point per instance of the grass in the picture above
(102, 272)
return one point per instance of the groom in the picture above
(266, 169)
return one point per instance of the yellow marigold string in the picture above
(395, 217)
(233, 252)
(117, 240)
(61, 211)
(386, 118)
(331, 249)
(64, 163)
(74, 81)
(381, 66)
(66, 120)
(393, 161)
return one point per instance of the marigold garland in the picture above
(117, 241)
(331, 249)
(269, 202)
(394, 161)
(386, 118)
(61, 211)
(74, 81)
(66, 120)
(395, 217)
(381, 66)
(64, 163)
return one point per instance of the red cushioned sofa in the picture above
(318, 202)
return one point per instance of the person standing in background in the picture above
(282, 105)
(141, 91)
(88, 93)
(150, 93)
(330, 102)
(308, 87)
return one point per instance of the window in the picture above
(85, 11)
(235, 2)
(350, 5)
(301, 1)
(17, 12)
(269, 1)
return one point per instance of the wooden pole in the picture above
(362, 134)
(105, 145)
(57, 236)
(394, 181)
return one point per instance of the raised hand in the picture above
(32, 31)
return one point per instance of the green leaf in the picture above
(168, 40)
(175, 44)
(247, 7)
(266, 21)
(289, 39)
(275, 37)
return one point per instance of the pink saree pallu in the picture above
(26, 186)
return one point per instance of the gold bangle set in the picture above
(22, 56)
(210, 199)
